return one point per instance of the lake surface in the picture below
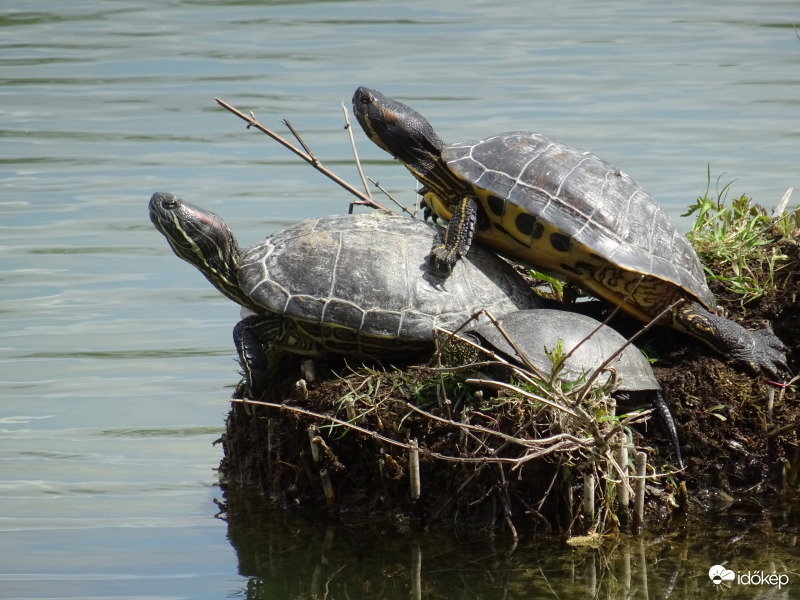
(116, 361)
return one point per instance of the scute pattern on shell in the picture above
(370, 274)
(585, 197)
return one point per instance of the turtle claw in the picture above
(759, 352)
(768, 353)
(457, 236)
(443, 258)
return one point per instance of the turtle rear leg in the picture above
(252, 358)
(758, 351)
(458, 235)
(664, 415)
(669, 423)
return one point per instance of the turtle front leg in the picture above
(458, 235)
(252, 358)
(757, 351)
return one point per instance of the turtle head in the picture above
(202, 239)
(401, 131)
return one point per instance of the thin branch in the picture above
(522, 356)
(296, 135)
(253, 122)
(504, 436)
(499, 385)
(783, 429)
(392, 198)
(585, 388)
(355, 152)
(571, 442)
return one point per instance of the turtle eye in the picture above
(365, 96)
(171, 202)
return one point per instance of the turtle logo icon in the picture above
(718, 574)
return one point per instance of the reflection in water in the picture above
(291, 555)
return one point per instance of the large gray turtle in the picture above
(590, 343)
(566, 211)
(355, 285)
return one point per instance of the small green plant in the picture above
(547, 282)
(734, 240)
(594, 396)
(713, 411)
(554, 288)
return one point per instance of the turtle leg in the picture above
(252, 358)
(758, 351)
(458, 235)
(666, 418)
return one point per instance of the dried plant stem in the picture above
(536, 447)
(312, 434)
(520, 354)
(503, 436)
(392, 198)
(622, 460)
(641, 472)
(779, 210)
(327, 487)
(499, 385)
(588, 496)
(604, 366)
(505, 501)
(309, 158)
(413, 468)
(355, 152)
(297, 137)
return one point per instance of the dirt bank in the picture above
(481, 459)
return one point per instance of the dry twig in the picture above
(355, 152)
(562, 442)
(306, 156)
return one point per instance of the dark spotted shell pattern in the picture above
(585, 197)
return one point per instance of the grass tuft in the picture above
(735, 240)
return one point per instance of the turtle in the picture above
(588, 343)
(343, 285)
(568, 212)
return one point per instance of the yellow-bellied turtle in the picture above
(566, 211)
(356, 285)
(590, 344)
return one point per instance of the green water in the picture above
(115, 357)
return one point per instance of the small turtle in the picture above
(355, 285)
(537, 331)
(568, 212)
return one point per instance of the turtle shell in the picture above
(526, 180)
(362, 284)
(534, 331)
